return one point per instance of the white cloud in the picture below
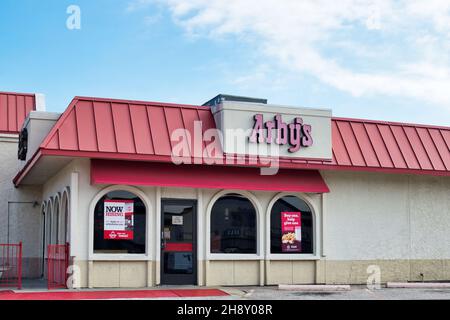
(138, 5)
(301, 35)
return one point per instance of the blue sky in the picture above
(387, 60)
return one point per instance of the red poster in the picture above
(118, 220)
(291, 231)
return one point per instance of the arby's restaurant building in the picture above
(234, 192)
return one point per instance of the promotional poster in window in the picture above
(119, 220)
(291, 232)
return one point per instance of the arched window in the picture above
(64, 218)
(291, 227)
(44, 237)
(233, 225)
(55, 222)
(120, 224)
(48, 223)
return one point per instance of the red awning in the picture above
(204, 176)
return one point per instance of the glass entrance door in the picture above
(178, 242)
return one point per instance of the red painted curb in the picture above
(105, 295)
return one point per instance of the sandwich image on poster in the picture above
(291, 232)
(118, 220)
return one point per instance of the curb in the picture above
(314, 288)
(419, 285)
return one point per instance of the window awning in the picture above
(204, 176)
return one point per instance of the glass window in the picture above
(120, 224)
(291, 227)
(233, 225)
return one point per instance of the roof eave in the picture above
(28, 166)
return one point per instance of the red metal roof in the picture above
(212, 177)
(376, 144)
(14, 108)
(116, 128)
(135, 130)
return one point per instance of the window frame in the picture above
(259, 255)
(55, 229)
(65, 216)
(148, 221)
(316, 231)
(49, 222)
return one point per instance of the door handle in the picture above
(163, 241)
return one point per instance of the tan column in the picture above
(90, 274)
(206, 272)
(149, 273)
(261, 273)
(158, 237)
(267, 280)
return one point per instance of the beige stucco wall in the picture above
(400, 223)
(396, 222)
(231, 273)
(381, 216)
(114, 274)
(356, 271)
(290, 272)
(128, 274)
(23, 216)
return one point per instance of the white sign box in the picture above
(255, 129)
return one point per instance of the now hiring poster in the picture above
(118, 220)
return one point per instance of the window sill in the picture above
(278, 257)
(119, 256)
(231, 256)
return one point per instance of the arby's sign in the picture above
(274, 131)
(297, 133)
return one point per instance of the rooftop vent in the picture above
(226, 97)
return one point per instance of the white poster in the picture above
(118, 220)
